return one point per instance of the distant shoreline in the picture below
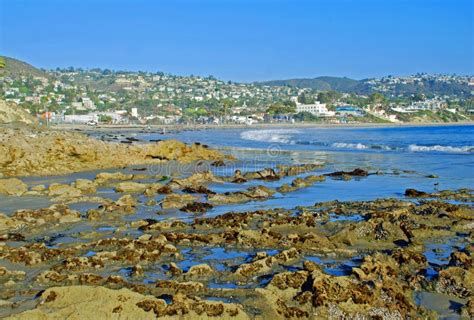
(153, 128)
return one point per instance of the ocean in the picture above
(426, 158)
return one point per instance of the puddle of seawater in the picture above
(333, 217)
(446, 306)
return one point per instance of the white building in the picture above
(80, 118)
(88, 103)
(432, 104)
(317, 108)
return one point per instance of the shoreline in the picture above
(105, 128)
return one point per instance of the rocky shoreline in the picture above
(110, 237)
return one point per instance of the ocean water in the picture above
(406, 155)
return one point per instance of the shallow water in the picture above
(446, 151)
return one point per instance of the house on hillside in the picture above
(317, 108)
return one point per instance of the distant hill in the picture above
(15, 68)
(320, 83)
(365, 87)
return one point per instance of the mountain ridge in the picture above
(16, 68)
(323, 83)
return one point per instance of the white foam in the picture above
(283, 136)
(342, 145)
(439, 148)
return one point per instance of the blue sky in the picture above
(244, 40)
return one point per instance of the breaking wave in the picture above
(342, 145)
(299, 137)
(273, 136)
(439, 148)
(360, 146)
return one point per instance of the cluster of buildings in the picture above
(389, 84)
(433, 104)
(78, 96)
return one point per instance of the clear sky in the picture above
(244, 40)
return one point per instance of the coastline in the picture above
(272, 231)
(105, 128)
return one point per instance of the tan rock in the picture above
(177, 200)
(12, 187)
(85, 185)
(200, 270)
(63, 190)
(131, 187)
(106, 176)
(126, 201)
(74, 302)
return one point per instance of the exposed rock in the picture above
(126, 201)
(85, 185)
(198, 189)
(267, 174)
(27, 151)
(285, 170)
(63, 191)
(131, 187)
(197, 207)
(415, 193)
(199, 271)
(238, 177)
(193, 180)
(461, 259)
(266, 263)
(218, 163)
(456, 281)
(12, 187)
(177, 200)
(354, 173)
(299, 183)
(107, 176)
(252, 193)
(62, 302)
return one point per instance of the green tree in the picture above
(104, 118)
(377, 98)
(281, 108)
(328, 96)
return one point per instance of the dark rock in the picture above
(197, 207)
(198, 189)
(415, 193)
(354, 173)
(218, 163)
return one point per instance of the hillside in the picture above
(320, 83)
(15, 68)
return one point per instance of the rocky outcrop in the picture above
(87, 302)
(24, 151)
(252, 193)
(177, 201)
